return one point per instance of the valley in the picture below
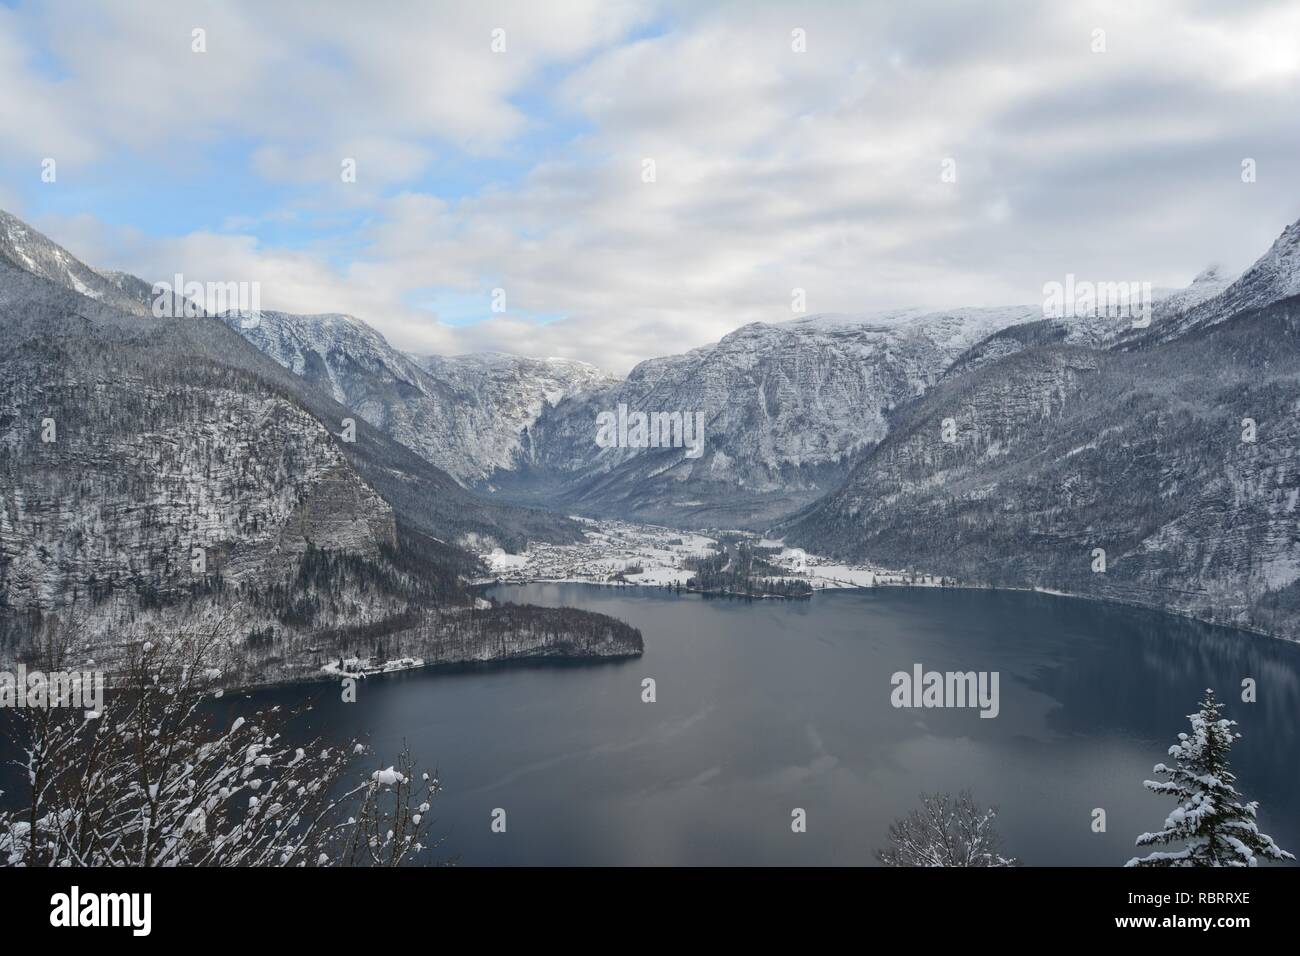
(838, 451)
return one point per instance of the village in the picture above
(624, 554)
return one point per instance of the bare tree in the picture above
(158, 779)
(945, 831)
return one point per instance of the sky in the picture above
(641, 178)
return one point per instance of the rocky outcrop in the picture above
(119, 476)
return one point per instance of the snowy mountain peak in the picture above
(1278, 270)
(1210, 274)
(32, 251)
(1274, 276)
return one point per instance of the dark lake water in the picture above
(767, 706)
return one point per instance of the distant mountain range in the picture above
(788, 406)
(1067, 435)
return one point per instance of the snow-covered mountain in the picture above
(497, 399)
(1173, 454)
(33, 252)
(1208, 284)
(167, 434)
(1169, 307)
(786, 407)
(1273, 277)
(467, 414)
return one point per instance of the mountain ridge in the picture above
(1172, 458)
(161, 474)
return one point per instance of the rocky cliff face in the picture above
(497, 400)
(120, 457)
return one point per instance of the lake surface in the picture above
(767, 706)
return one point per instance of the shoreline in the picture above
(327, 677)
(846, 586)
(516, 660)
(546, 660)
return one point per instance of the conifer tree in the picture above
(1211, 822)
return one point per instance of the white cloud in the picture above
(297, 71)
(369, 160)
(775, 169)
(32, 126)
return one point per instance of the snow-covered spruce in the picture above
(1214, 826)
